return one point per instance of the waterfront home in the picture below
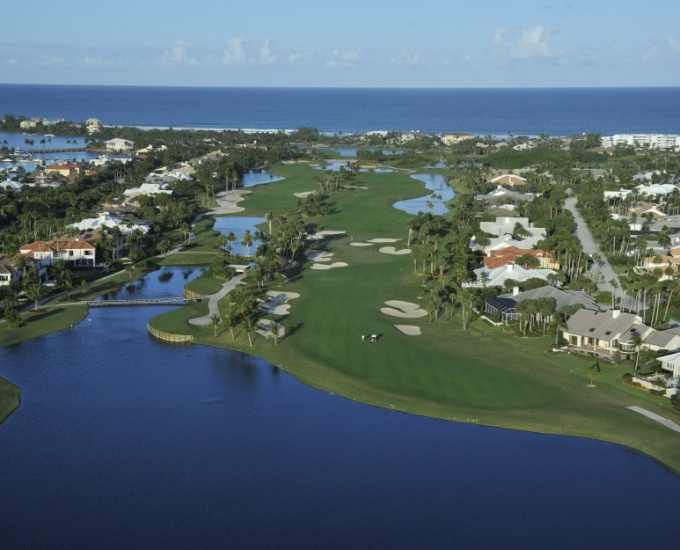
(92, 125)
(452, 138)
(502, 195)
(605, 332)
(118, 144)
(78, 253)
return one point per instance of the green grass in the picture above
(480, 375)
(9, 399)
(48, 319)
(205, 286)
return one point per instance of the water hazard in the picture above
(435, 202)
(124, 442)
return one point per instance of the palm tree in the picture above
(247, 241)
(275, 329)
(215, 323)
(269, 216)
(35, 292)
(249, 326)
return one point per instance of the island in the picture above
(538, 296)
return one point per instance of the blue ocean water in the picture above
(480, 111)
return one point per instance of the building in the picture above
(509, 180)
(506, 226)
(79, 253)
(642, 141)
(671, 363)
(67, 170)
(511, 272)
(8, 272)
(106, 220)
(118, 144)
(452, 138)
(93, 125)
(149, 189)
(504, 256)
(605, 331)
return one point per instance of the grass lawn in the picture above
(481, 375)
(9, 399)
(205, 286)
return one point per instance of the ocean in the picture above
(497, 112)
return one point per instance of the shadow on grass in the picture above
(41, 314)
(292, 330)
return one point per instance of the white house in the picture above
(506, 226)
(516, 273)
(8, 272)
(148, 189)
(118, 144)
(671, 363)
(107, 220)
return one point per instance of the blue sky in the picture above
(367, 43)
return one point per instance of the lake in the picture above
(125, 442)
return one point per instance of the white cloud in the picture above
(673, 43)
(344, 58)
(177, 55)
(266, 56)
(301, 58)
(96, 61)
(55, 60)
(528, 43)
(234, 54)
(13, 62)
(406, 57)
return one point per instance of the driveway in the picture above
(590, 247)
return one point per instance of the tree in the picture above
(36, 292)
(12, 318)
(250, 327)
(269, 216)
(215, 323)
(275, 329)
(593, 373)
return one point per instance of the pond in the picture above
(258, 177)
(238, 225)
(352, 151)
(435, 202)
(124, 442)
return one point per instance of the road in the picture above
(590, 247)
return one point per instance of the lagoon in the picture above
(122, 441)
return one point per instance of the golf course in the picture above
(480, 374)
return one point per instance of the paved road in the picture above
(591, 247)
(657, 418)
(214, 299)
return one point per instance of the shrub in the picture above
(657, 392)
(12, 318)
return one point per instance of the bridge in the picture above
(144, 302)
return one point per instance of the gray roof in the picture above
(663, 339)
(603, 325)
(563, 298)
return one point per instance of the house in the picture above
(502, 195)
(503, 256)
(8, 271)
(605, 331)
(657, 340)
(118, 144)
(149, 189)
(511, 272)
(452, 138)
(67, 170)
(106, 220)
(671, 363)
(509, 180)
(506, 226)
(80, 253)
(93, 125)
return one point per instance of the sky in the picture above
(352, 43)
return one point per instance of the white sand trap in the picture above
(409, 330)
(405, 310)
(277, 303)
(394, 251)
(319, 256)
(324, 233)
(303, 194)
(264, 328)
(383, 240)
(324, 267)
(361, 244)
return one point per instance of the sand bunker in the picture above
(405, 310)
(324, 233)
(324, 267)
(264, 328)
(303, 194)
(277, 303)
(227, 202)
(319, 255)
(409, 330)
(383, 240)
(394, 251)
(361, 244)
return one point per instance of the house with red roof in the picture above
(79, 253)
(498, 258)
